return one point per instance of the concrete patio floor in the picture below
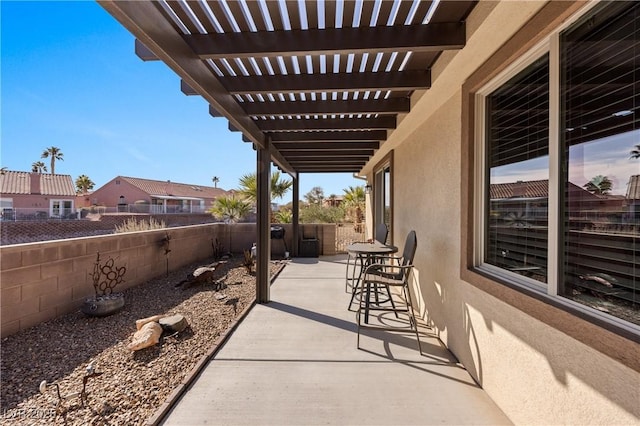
(294, 361)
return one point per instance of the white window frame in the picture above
(8, 201)
(550, 45)
(60, 208)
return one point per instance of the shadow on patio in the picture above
(294, 361)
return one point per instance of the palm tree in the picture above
(230, 209)
(38, 167)
(635, 152)
(599, 185)
(84, 184)
(354, 199)
(215, 180)
(354, 195)
(283, 216)
(55, 154)
(249, 186)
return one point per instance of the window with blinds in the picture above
(517, 144)
(600, 93)
(574, 99)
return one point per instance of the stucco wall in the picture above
(109, 194)
(535, 373)
(35, 202)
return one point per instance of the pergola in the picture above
(316, 86)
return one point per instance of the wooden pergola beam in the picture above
(145, 21)
(339, 145)
(347, 136)
(360, 106)
(350, 82)
(397, 38)
(329, 169)
(294, 153)
(377, 123)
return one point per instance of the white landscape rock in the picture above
(148, 335)
(143, 321)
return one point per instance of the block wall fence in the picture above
(44, 280)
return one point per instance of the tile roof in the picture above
(531, 189)
(12, 182)
(173, 189)
(633, 189)
(520, 189)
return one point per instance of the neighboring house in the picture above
(136, 195)
(28, 195)
(524, 201)
(333, 201)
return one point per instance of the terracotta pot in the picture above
(103, 306)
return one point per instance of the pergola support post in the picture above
(263, 225)
(295, 220)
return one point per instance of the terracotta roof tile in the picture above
(532, 189)
(175, 189)
(20, 183)
(520, 189)
(15, 183)
(57, 185)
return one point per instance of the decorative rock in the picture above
(174, 323)
(143, 321)
(148, 335)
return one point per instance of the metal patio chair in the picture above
(393, 272)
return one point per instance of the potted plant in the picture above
(105, 278)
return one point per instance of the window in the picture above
(6, 203)
(558, 182)
(517, 142)
(383, 195)
(61, 208)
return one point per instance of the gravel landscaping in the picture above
(133, 385)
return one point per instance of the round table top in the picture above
(371, 248)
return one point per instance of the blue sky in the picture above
(70, 79)
(609, 156)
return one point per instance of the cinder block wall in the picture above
(41, 281)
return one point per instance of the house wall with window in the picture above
(543, 357)
(25, 195)
(109, 194)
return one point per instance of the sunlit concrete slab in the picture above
(294, 361)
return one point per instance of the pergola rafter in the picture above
(391, 106)
(303, 124)
(396, 38)
(307, 83)
(315, 86)
(316, 136)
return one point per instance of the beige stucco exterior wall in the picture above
(535, 373)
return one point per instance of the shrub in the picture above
(315, 213)
(132, 225)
